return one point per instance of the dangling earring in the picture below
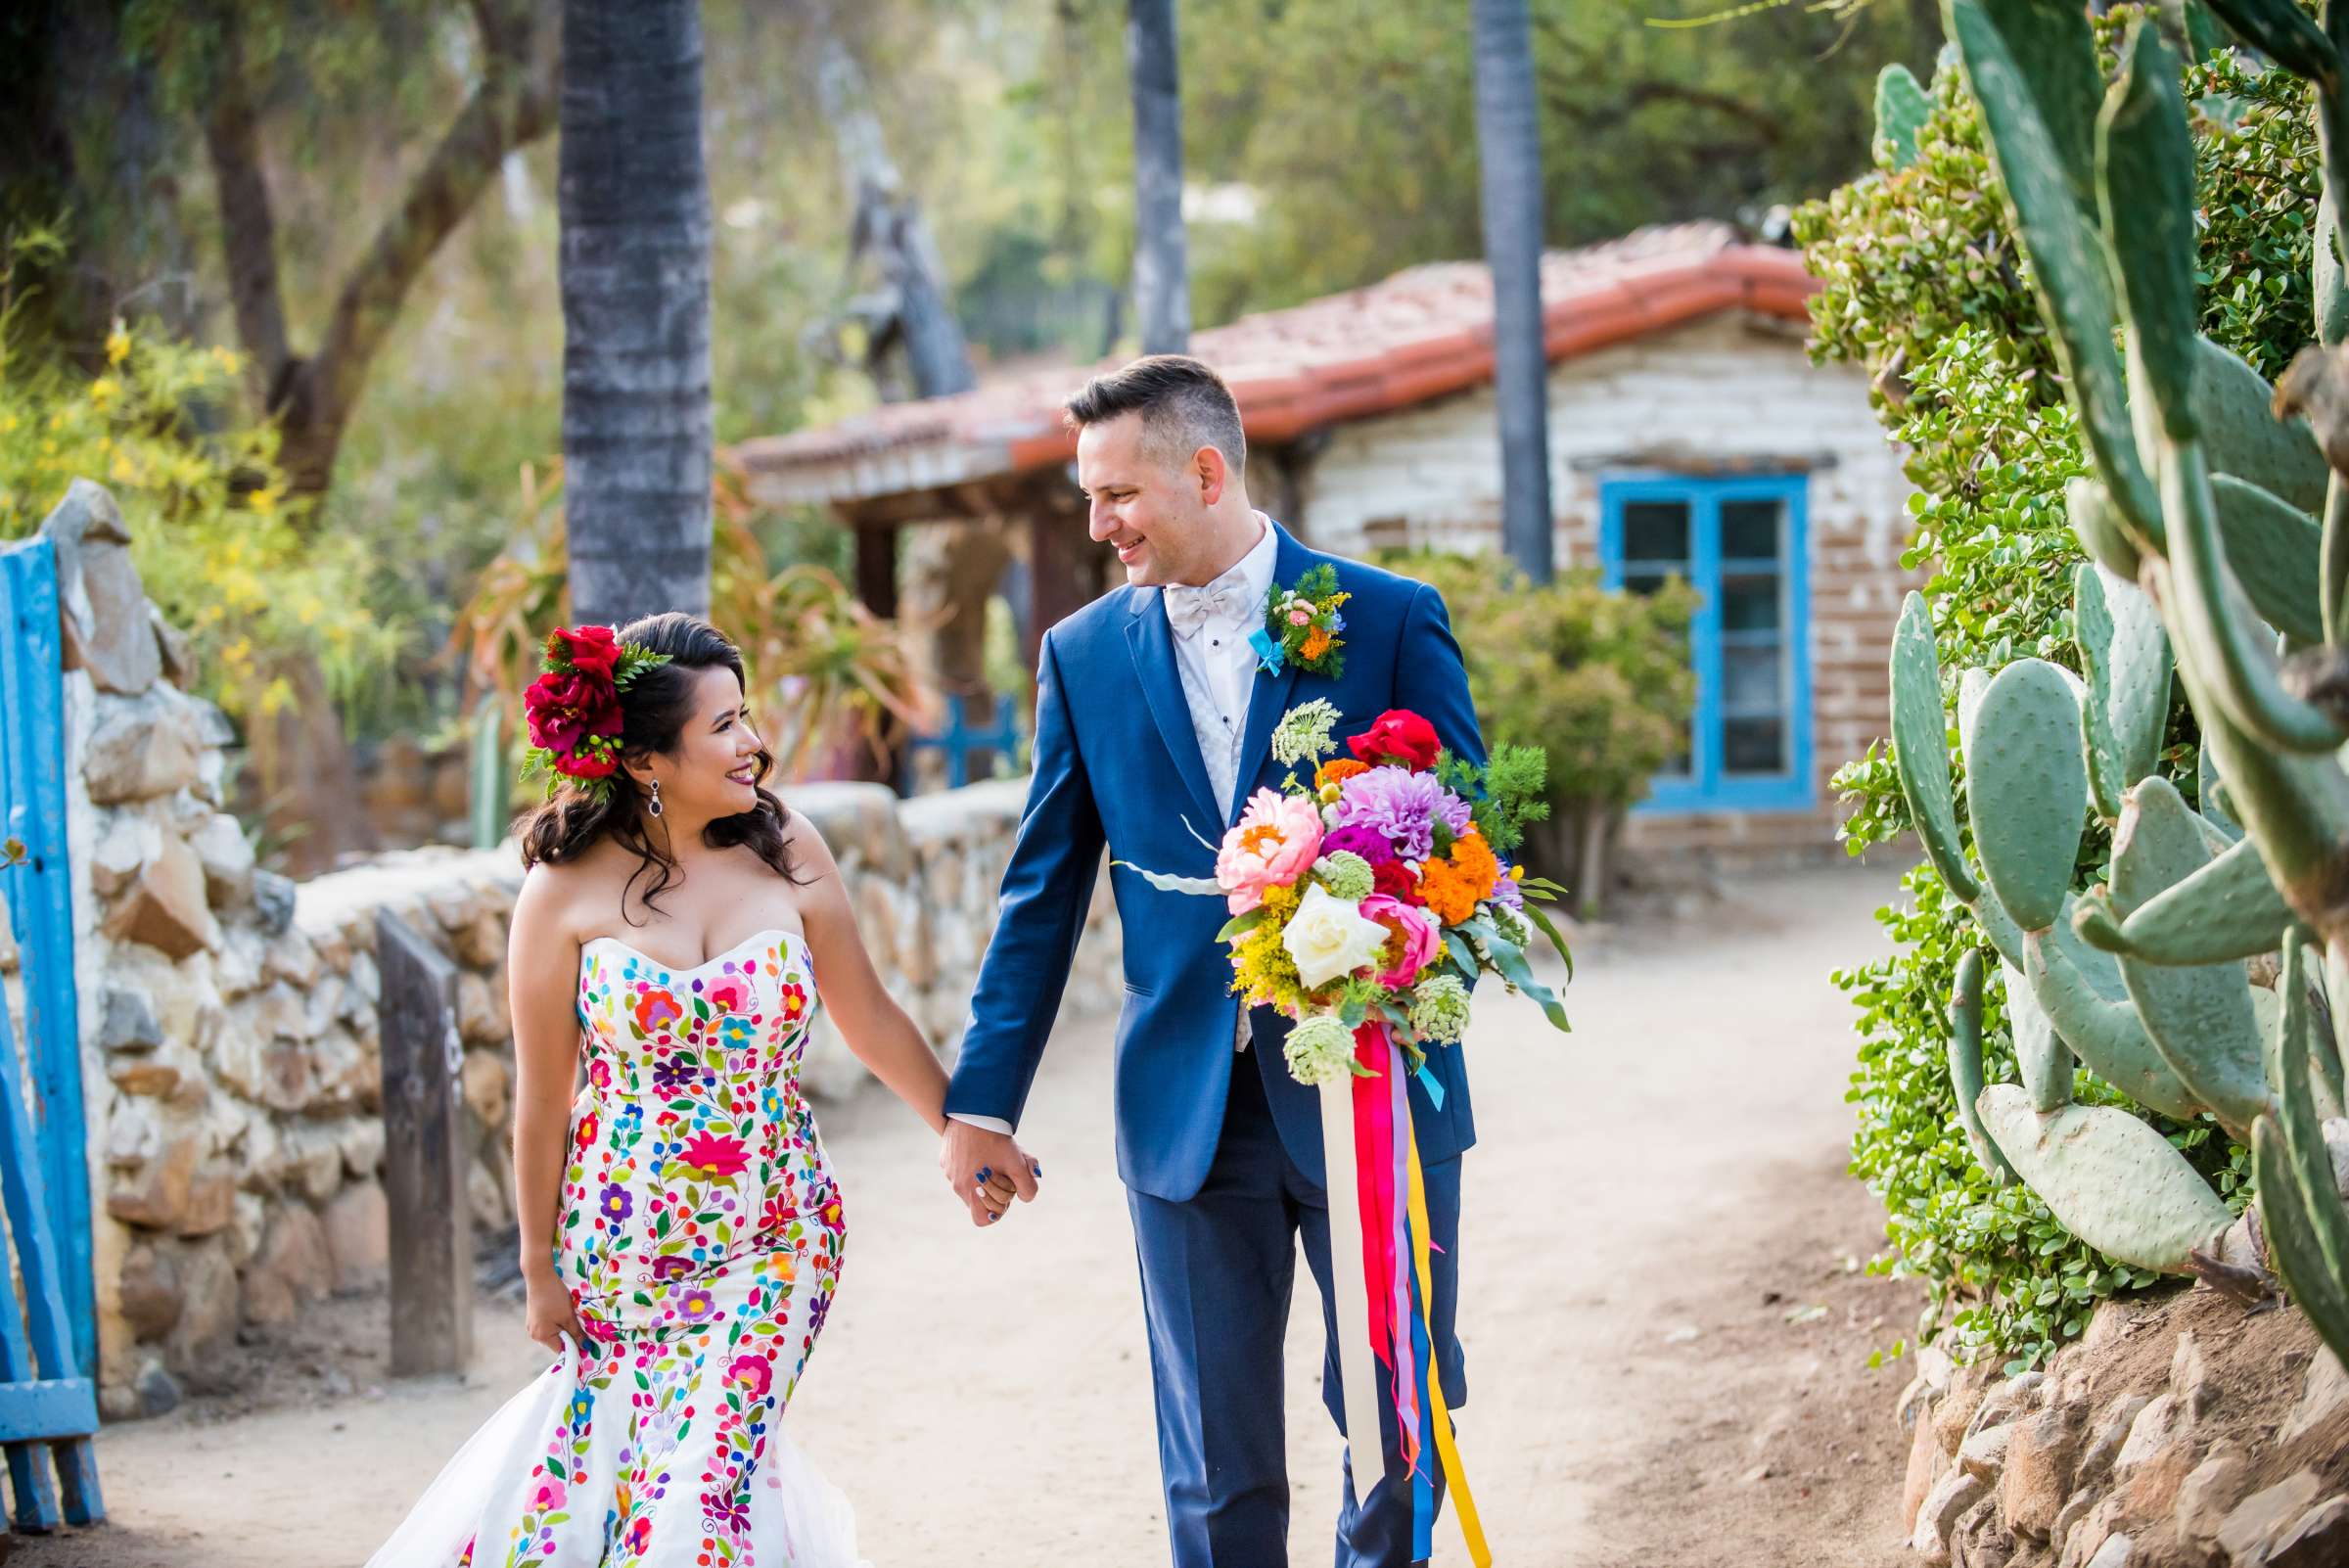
(655, 807)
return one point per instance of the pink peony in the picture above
(1271, 846)
(549, 1495)
(1411, 929)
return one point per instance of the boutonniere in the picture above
(1301, 626)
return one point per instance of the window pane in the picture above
(1646, 581)
(1749, 601)
(1655, 530)
(1752, 678)
(1675, 767)
(1749, 530)
(1753, 746)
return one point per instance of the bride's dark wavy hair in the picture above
(653, 712)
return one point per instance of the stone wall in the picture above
(2186, 1427)
(229, 1015)
(1718, 394)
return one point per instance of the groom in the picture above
(1152, 713)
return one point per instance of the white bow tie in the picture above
(1190, 608)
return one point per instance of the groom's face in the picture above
(1153, 513)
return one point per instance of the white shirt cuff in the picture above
(994, 1123)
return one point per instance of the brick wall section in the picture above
(1725, 390)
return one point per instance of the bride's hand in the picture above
(547, 1311)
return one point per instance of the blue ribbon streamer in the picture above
(1435, 1089)
(1423, 1487)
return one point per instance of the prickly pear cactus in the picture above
(2218, 519)
(1902, 108)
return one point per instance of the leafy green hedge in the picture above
(1597, 678)
(1926, 287)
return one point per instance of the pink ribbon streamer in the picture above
(1407, 1378)
(1374, 1171)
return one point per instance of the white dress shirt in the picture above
(1211, 625)
(1211, 622)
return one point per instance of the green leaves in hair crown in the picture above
(573, 707)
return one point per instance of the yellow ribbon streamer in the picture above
(1438, 1417)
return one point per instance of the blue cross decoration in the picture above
(958, 740)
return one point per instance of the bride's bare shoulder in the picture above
(805, 843)
(560, 897)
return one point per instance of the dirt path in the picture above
(1667, 1331)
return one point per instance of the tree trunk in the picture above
(313, 396)
(915, 319)
(1161, 283)
(85, 141)
(635, 281)
(1509, 148)
(887, 223)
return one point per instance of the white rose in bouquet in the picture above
(1329, 937)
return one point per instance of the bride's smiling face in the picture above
(1154, 513)
(713, 770)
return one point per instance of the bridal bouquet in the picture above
(1378, 888)
(1366, 897)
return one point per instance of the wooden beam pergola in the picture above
(1065, 567)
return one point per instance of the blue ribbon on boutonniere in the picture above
(1270, 656)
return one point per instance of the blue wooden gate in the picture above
(48, 1350)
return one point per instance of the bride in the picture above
(681, 1232)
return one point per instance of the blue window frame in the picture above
(1740, 542)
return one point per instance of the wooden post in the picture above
(425, 1152)
(1063, 570)
(877, 566)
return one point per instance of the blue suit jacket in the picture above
(1116, 761)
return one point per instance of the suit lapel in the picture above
(1151, 642)
(1269, 695)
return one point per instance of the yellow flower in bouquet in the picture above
(1262, 968)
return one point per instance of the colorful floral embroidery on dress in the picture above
(700, 1234)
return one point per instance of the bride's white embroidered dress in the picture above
(700, 1235)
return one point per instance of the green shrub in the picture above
(211, 532)
(1599, 679)
(1925, 286)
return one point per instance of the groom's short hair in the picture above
(1184, 405)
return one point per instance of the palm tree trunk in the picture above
(635, 280)
(1161, 283)
(1509, 147)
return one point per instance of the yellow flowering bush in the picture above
(213, 535)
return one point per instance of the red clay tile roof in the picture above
(1423, 333)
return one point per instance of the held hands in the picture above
(986, 1169)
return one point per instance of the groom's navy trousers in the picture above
(1220, 1150)
(1217, 1275)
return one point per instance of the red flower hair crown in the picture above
(573, 707)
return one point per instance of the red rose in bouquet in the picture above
(1397, 735)
(1390, 878)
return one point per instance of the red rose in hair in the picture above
(567, 711)
(1390, 878)
(1397, 735)
(592, 650)
(589, 765)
